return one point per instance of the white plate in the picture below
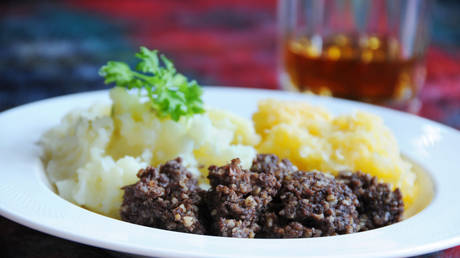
(26, 198)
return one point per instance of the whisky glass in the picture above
(371, 51)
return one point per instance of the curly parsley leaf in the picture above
(169, 92)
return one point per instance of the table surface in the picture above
(50, 49)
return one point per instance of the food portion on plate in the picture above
(94, 152)
(157, 156)
(312, 138)
(271, 199)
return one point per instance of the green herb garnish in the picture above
(169, 92)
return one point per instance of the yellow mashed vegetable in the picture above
(313, 139)
(92, 153)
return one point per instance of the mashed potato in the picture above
(92, 153)
(314, 139)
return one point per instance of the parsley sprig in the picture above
(169, 92)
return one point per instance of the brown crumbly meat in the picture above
(230, 184)
(236, 228)
(166, 198)
(311, 204)
(275, 226)
(238, 196)
(379, 205)
(270, 200)
(270, 164)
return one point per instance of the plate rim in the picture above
(82, 239)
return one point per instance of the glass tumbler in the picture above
(371, 51)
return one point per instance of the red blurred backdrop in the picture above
(52, 48)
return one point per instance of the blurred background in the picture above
(52, 48)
